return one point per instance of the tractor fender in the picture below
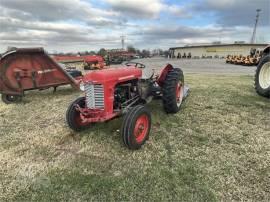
(163, 74)
(266, 50)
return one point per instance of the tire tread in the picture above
(128, 123)
(169, 99)
(259, 90)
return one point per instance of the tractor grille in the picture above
(94, 96)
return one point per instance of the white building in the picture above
(213, 50)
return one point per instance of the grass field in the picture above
(216, 148)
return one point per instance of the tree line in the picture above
(103, 52)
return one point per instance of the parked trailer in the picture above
(26, 69)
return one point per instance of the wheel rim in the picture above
(77, 117)
(141, 128)
(79, 121)
(264, 76)
(179, 93)
(11, 98)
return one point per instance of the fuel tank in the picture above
(113, 75)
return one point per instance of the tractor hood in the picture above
(115, 74)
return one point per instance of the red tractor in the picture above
(113, 92)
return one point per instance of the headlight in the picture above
(82, 86)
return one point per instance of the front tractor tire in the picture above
(73, 118)
(262, 77)
(173, 90)
(136, 127)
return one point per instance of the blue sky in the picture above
(79, 25)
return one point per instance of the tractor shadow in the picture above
(105, 133)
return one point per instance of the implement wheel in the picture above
(136, 127)
(8, 99)
(173, 91)
(262, 77)
(73, 118)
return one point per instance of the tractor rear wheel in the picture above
(173, 90)
(262, 77)
(8, 99)
(73, 117)
(136, 127)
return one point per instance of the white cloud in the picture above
(8, 23)
(145, 9)
(141, 8)
(55, 10)
(76, 25)
(176, 11)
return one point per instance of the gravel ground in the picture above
(202, 66)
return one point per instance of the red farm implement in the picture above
(26, 69)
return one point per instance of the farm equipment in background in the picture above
(26, 69)
(113, 92)
(262, 76)
(84, 62)
(118, 56)
(239, 60)
(229, 58)
(250, 60)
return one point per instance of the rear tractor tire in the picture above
(8, 99)
(73, 118)
(136, 127)
(173, 90)
(262, 77)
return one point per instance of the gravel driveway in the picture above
(201, 66)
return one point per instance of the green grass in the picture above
(216, 148)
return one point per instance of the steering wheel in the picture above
(136, 64)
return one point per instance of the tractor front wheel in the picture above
(136, 127)
(173, 90)
(73, 117)
(262, 77)
(8, 99)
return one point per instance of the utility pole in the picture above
(123, 41)
(255, 26)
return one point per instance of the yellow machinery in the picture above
(249, 60)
